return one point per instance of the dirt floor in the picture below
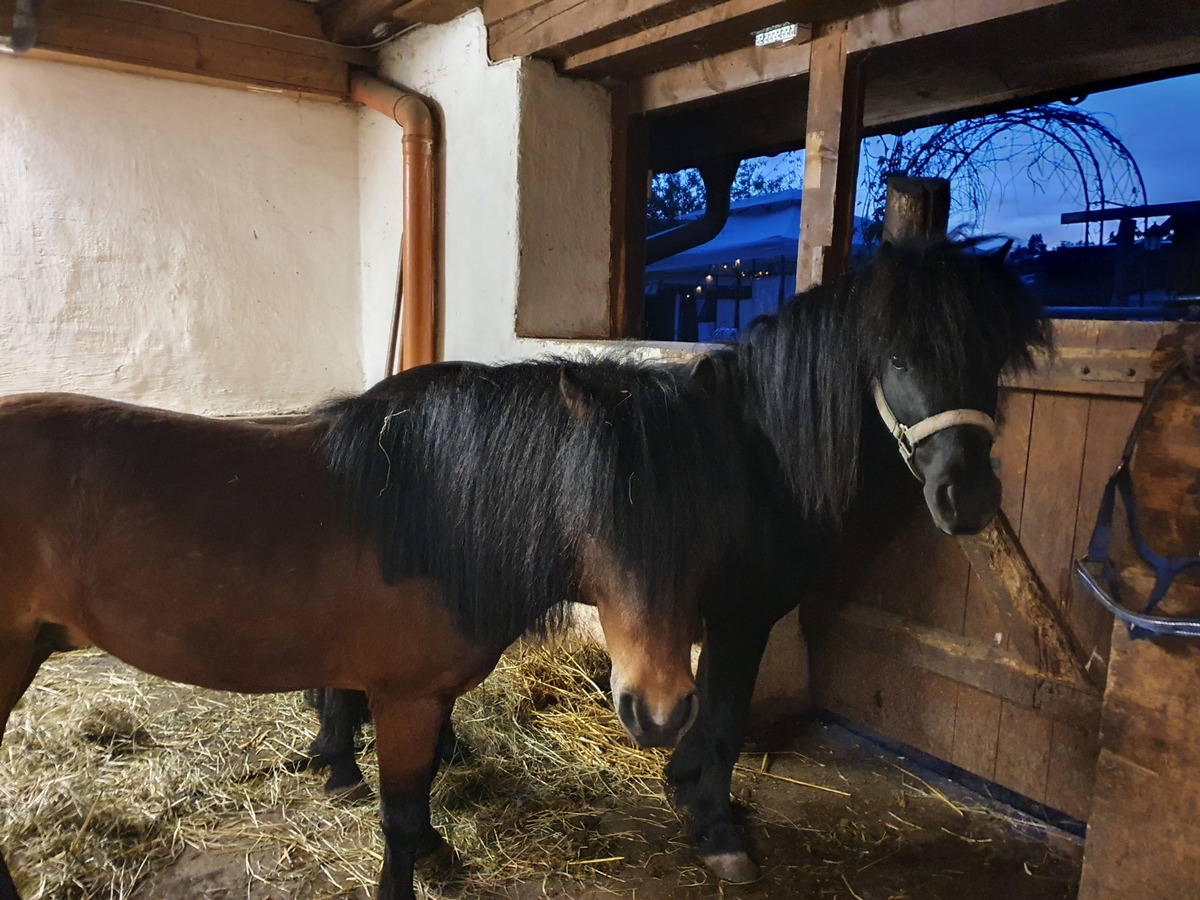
(892, 831)
(833, 816)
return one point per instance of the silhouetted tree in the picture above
(1050, 144)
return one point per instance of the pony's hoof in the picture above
(349, 793)
(736, 868)
(438, 859)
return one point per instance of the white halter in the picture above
(908, 436)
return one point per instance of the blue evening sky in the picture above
(1160, 124)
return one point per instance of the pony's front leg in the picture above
(701, 768)
(406, 738)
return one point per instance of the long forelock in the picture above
(961, 312)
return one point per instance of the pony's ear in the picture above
(573, 393)
(704, 372)
(1002, 254)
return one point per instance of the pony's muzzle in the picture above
(651, 730)
(963, 506)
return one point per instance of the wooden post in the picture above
(916, 207)
(1029, 614)
(630, 186)
(1141, 839)
(830, 158)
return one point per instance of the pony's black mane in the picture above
(492, 480)
(805, 372)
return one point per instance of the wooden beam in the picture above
(630, 186)
(136, 38)
(498, 10)
(877, 28)
(357, 21)
(431, 12)
(698, 35)
(1141, 834)
(725, 73)
(557, 28)
(916, 207)
(1036, 625)
(922, 18)
(995, 670)
(830, 159)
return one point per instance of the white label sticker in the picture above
(776, 34)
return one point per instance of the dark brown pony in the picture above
(817, 396)
(394, 544)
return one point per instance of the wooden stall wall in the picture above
(918, 651)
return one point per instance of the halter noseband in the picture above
(908, 436)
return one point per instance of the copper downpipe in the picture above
(413, 313)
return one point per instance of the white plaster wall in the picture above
(380, 216)
(174, 244)
(525, 182)
(564, 177)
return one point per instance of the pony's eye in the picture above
(898, 363)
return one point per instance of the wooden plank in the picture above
(1141, 834)
(976, 732)
(142, 44)
(1015, 414)
(557, 28)
(922, 18)
(993, 670)
(498, 10)
(1023, 751)
(628, 220)
(725, 73)
(830, 159)
(357, 21)
(746, 68)
(919, 574)
(256, 29)
(1120, 372)
(704, 33)
(1109, 422)
(431, 12)
(1037, 626)
(1072, 778)
(1056, 448)
(907, 704)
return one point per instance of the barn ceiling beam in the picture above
(706, 32)
(357, 21)
(557, 28)
(189, 43)
(754, 66)
(432, 12)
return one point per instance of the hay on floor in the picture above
(107, 776)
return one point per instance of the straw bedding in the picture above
(108, 776)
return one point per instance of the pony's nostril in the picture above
(945, 498)
(627, 713)
(642, 716)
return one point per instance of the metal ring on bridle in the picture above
(908, 436)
